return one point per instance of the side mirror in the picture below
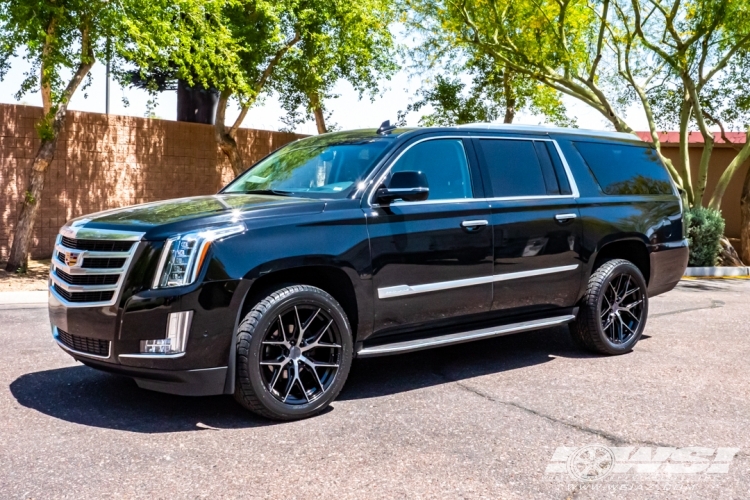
(408, 186)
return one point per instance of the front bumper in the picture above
(109, 337)
(197, 382)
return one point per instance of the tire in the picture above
(608, 326)
(285, 375)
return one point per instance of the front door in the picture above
(536, 225)
(431, 259)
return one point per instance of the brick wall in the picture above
(111, 161)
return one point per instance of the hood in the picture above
(170, 217)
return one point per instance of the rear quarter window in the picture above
(624, 169)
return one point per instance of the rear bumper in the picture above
(668, 264)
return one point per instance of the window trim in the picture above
(380, 178)
(566, 167)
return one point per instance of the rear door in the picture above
(536, 224)
(432, 260)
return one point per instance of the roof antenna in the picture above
(386, 127)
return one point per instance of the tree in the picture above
(353, 43)
(497, 89)
(487, 100)
(300, 48)
(63, 39)
(674, 58)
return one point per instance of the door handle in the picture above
(474, 224)
(565, 217)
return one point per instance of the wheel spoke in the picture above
(290, 380)
(631, 305)
(276, 377)
(315, 342)
(632, 332)
(631, 292)
(311, 367)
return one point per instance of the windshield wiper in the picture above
(269, 191)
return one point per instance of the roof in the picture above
(552, 130)
(694, 137)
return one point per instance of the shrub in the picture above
(705, 227)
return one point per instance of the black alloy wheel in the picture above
(622, 309)
(301, 354)
(612, 313)
(294, 351)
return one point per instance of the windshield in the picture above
(313, 168)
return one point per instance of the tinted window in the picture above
(515, 169)
(313, 167)
(621, 169)
(444, 163)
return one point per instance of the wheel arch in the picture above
(633, 250)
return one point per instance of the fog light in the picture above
(178, 327)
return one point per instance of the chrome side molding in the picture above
(401, 290)
(457, 338)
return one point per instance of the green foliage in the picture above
(682, 62)
(342, 40)
(705, 228)
(62, 36)
(498, 91)
(29, 198)
(451, 106)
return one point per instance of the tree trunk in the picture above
(317, 109)
(745, 219)
(510, 98)
(19, 252)
(226, 137)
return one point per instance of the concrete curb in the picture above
(717, 271)
(12, 298)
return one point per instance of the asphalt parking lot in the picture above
(503, 418)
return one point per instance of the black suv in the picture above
(366, 243)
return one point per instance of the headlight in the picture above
(183, 255)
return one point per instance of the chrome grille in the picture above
(89, 265)
(97, 246)
(87, 279)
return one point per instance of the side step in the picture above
(457, 338)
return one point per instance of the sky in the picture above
(348, 111)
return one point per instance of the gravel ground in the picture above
(480, 420)
(34, 279)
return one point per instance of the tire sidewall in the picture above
(630, 269)
(317, 298)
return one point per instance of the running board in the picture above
(457, 338)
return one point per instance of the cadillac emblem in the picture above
(71, 258)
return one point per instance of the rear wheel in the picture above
(294, 351)
(613, 311)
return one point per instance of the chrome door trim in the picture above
(456, 338)
(402, 290)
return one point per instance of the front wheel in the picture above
(613, 311)
(294, 351)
